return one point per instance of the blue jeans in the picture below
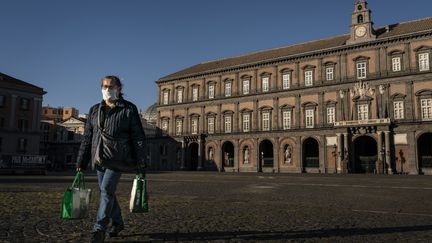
(109, 207)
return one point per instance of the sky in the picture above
(67, 46)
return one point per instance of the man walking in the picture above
(118, 119)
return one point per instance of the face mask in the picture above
(109, 94)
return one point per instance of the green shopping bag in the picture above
(139, 198)
(76, 199)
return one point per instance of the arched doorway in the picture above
(266, 155)
(310, 153)
(366, 155)
(228, 154)
(193, 156)
(424, 151)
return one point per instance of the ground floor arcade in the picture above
(367, 149)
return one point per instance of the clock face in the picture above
(360, 31)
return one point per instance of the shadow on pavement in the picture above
(278, 235)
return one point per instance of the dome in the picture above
(151, 114)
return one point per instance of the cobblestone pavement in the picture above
(221, 207)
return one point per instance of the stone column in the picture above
(412, 162)
(321, 113)
(297, 74)
(320, 79)
(275, 82)
(387, 152)
(236, 119)
(172, 94)
(276, 163)
(257, 155)
(186, 94)
(379, 148)
(183, 161)
(339, 152)
(409, 101)
(200, 154)
(255, 80)
(299, 153)
(344, 66)
(187, 118)
(297, 109)
(173, 123)
(237, 155)
(406, 57)
(202, 119)
(275, 114)
(378, 61)
(255, 116)
(346, 152)
(218, 123)
(12, 120)
(36, 114)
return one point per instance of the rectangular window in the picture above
(426, 109)
(330, 115)
(308, 78)
(23, 125)
(227, 89)
(398, 108)
(165, 97)
(286, 117)
(2, 100)
(286, 80)
(211, 90)
(179, 95)
(195, 93)
(246, 122)
(165, 125)
(396, 64)
(329, 73)
(24, 104)
(211, 125)
(265, 84)
(266, 121)
(361, 70)
(194, 125)
(363, 112)
(22, 145)
(423, 61)
(309, 118)
(227, 124)
(179, 127)
(245, 87)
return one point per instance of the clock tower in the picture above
(361, 24)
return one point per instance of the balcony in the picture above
(368, 122)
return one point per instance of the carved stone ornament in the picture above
(361, 89)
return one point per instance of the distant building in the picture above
(20, 114)
(61, 140)
(58, 114)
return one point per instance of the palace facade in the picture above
(354, 103)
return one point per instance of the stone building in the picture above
(59, 114)
(20, 114)
(355, 103)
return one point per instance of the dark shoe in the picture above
(115, 230)
(98, 236)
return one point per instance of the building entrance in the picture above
(310, 153)
(228, 154)
(366, 155)
(424, 151)
(193, 156)
(266, 155)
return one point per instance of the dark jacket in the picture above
(121, 121)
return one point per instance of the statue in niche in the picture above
(210, 154)
(287, 153)
(246, 155)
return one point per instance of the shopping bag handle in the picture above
(78, 181)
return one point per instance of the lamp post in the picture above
(381, 91)
(334, 153)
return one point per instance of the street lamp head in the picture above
(382, 88)
(341, 94)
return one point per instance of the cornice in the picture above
(297, 57)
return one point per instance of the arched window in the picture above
(360, 19)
